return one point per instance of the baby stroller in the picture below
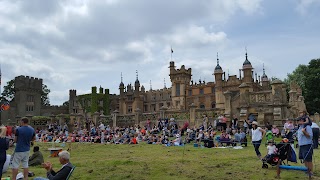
(284, 151)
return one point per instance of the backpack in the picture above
(269, 135)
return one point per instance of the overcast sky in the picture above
(77, 44)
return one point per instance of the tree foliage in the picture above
(66, 104)
(308, 78)
(312, 86)
(44, 95)
(9, 93)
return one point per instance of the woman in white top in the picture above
(257, 135)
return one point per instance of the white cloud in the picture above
(195, 35)
(77, 44)
(250, 6)
(304, 5)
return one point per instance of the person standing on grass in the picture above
(315, 131)
(305, 142)
(4, 146)
(24, 135)
(257, 135)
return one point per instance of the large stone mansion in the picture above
(247, 93)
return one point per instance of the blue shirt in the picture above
(24, 135)
(302, 139)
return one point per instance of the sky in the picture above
(77, 44)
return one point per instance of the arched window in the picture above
(213, 105)
(202, 106)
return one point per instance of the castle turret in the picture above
(218, 85)
(265, 80)
(72, 100)
(121, 99)
(137, 101)
(247, 71)
(179, 79)
(136, 86)
(121, 87)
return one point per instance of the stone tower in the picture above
(28, 95)
(218, 85)
(122, 109)
(265, 80)
(137, 101)
(73, 101)
(180, 78)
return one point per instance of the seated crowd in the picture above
(167, 133)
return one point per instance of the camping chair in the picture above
(70, 173)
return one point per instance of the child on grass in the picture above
(271, 150)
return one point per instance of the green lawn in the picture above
(143, 161)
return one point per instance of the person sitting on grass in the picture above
(177, 141)
(275, 131)
(63, 173)
(200, 136)
(271, 150)
(225, 138)
(36, 158)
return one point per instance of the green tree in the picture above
(9, 93)
(299, 76)
(66, 104)
(312, 86)
(308, 78)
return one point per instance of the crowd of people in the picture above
(165, 132)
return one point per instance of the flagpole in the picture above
(171, 53)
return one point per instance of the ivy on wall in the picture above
(95, 98)
(106, 102)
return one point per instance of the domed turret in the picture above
(247, 63)
(264, 76)
(121, 87)
(218, 68)
(247, 71)
(121, 83)
(137, 82)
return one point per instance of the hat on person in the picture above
(255, 123)
(285, 140)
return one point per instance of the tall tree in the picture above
(312, 86)
(308, 78)
(9, 93)
(299, 76)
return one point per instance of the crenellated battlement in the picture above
(28, 83)
(72, 93)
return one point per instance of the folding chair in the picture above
(70, 173)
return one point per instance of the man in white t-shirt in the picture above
(101, 126)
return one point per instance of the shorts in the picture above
(18, 157)
(306, 152)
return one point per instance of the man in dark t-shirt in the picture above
(23, 137)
